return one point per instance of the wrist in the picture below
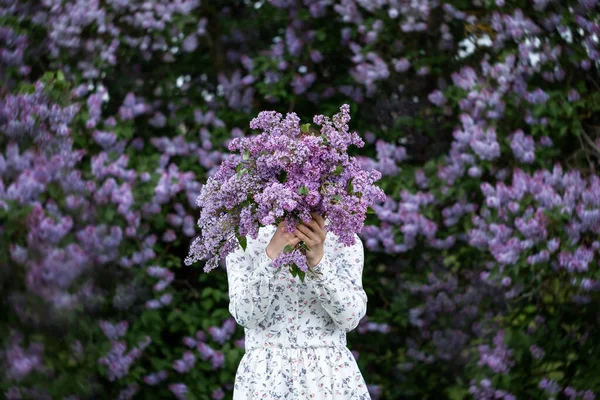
(269, 252)
(314, 257)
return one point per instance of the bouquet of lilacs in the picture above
(285, 173)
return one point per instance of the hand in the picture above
(313, 235)
(280, 239)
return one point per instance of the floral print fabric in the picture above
(296, 332)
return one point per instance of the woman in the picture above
(296, 332)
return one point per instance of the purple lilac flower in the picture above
(179, 390)
(156, 377)
(523, 147)
(286, 149)
(113, 332)
(186, 363)
(498, 358)
(437, 98)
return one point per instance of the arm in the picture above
(249, 277)
(339, 288)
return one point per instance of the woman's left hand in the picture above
(313, 235)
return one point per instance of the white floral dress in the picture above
(296, 332)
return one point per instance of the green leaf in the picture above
(305, 127)
(337, 197)
(303, 190)
(530, 309)
(287, 248)
(338, 170)
(457, 393)
(241, 172)
(243, 241)
(350, 188)
(282, 176)
(370, 210)
(302, 274)
(576, 127)
(48, 77)
(403, 121)
(246, 155)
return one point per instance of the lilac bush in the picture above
(481, 116)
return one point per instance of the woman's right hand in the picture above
(280, 239)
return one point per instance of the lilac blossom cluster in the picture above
(441, 296)
(98, 34)
(285, 172)
(548, 218)
(485, 391)
(407, 213)
(20, 362)
(30, 116)
(488, 89)
(387, 160)
(498, 359)
(12, 51)
(188, 360)
(118, 360)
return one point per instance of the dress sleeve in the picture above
(249, 277)
(339, 288)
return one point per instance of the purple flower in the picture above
(523, 147)
(186, 363)
(437, 98)
(537, 352)
(538, 96)
(217, 394)
(498, 358)
(179, 390)
(402, 65)
(190, 43)
(113, 332)
(156, 378)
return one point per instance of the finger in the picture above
(319, 231)
(281, 227)
(315, 227)
(308, 232)
(289, 237)
(313, 238)
(302, 236)
(320, 220)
